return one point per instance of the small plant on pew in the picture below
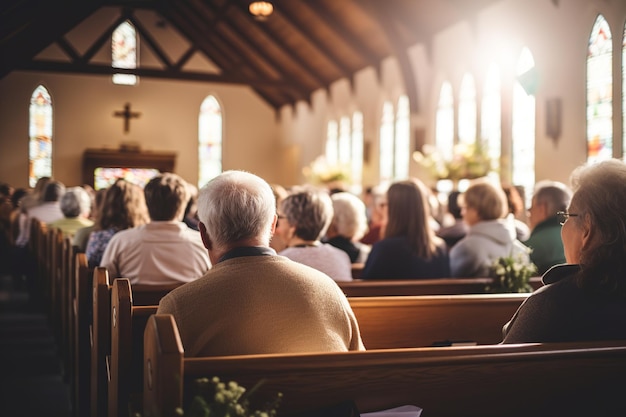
(511, 274)
(218, 399)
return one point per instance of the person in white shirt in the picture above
(164, 251)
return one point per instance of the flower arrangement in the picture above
(320, 172)
(219, 399)
(511, 274)
(468, 161)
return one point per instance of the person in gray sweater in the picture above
(490, 235)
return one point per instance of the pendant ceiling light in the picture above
(261, 9)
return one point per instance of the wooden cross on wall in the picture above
(127, 115)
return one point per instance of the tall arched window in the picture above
(523, 146)
(344, 140)
(599, 92)
(357, 151)
(40, 133)
(332, 137)
(467, 110)
(209, 140)
(124, 52)
(624, 93)
(491, 125)
(402, 139)
(386, 143)
(444, 125)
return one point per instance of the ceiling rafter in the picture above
(331, 21)
(332, 57)
(280, 43)
(193, 14)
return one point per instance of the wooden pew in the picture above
(496, 380)
(385, 322)
(129, 316)
(416, 321)
(81, 306)
(435, 286)
(100, 337)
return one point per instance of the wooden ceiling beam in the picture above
(279, 43)
(297, 93)
(342, 32)
(331, 56)
(101, 69)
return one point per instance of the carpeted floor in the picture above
(32, 379)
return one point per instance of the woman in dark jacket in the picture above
(585, 299)
(409, 248)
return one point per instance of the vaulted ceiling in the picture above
(303, 46)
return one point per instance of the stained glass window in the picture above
(386, 143)
(402, 139)
(491, 125)
(357, 151)
(599, 92)
(467, 110)
(444, 129)
(124, 48)
(209, 140)
(40, 133)
(523, 146)
(332, 153)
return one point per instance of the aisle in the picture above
(31, 372)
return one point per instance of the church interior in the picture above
(295, 91)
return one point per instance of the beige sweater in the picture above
(262, 304)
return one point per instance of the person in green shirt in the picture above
(545, 237)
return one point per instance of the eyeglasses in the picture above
(562, 216)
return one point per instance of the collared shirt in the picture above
(247, 251)
(157, 253)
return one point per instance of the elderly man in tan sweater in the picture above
(253, 301)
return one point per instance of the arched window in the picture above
(402, 139)
(332, 153)
(386, 143)
(624, 93)
(209, 140)
(124, 51)
(523, 146)
(467, 110)
(357, 151)
(40, 133)
(344, 141)
(444, 128)
(599, 92)
(491, 125)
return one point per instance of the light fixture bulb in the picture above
(261, 9)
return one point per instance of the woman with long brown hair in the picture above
(409, 247)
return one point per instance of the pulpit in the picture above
(102, 166)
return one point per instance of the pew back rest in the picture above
(128, 322)
(416, 321)
(512, 380)
(435, 286)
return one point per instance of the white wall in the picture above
(557, 37)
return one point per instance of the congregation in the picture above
(171, 233)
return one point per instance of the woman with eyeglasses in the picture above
(585, 299)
